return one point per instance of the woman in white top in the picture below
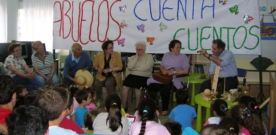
(140, 67)
(111, 121)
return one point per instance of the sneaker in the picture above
(164, 113)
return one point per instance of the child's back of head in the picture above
(230, 125)
(147, 109)
(89, 118)
(32, 97)
(21, 90)
(7, 85)
(113, 107)
(247, 120)
(81, 95)
(27, 120)
(251, 104)
(73, 90)
(214, 129)
(182, 96)
(219, 107)
(174, 128)
(54, 103)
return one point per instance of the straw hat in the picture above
(84, 78)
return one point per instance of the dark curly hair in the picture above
(247, 119)
(173, 43)
(7, 86)
(106, 43)
(12, 46)
(27, 120)
(220, 107)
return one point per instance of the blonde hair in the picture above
(35, 44)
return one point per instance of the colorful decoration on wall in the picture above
(123, 24)
(141, 27)
(223, 2)
(234, 9)
(268, 31)
(150, 40)
(247, 18)
(162, 26)
(123, 8)
(121, 42)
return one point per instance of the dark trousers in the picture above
(230, 82)
(67, 82)
(165, 92)
(109, 83)
(31, 84)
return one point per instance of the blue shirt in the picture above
(71, 66)
(80, 113)
(228, 66)
(183, 114)
(56, 130)
(74, 59)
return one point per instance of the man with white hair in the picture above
(140, 67)
(75, 61)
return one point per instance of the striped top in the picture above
(43, 66)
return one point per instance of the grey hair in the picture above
(73, 46)
(141, 43)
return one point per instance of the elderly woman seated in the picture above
(140, 67)
(43, 65)
(16, 67)
(173, 63)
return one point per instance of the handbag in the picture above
(164, 79)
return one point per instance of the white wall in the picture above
(12, 12)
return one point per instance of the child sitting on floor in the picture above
(21, 92)
(219, 109)
(89, 119)
(83, 97)
(183, 113)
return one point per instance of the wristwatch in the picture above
(174, 72)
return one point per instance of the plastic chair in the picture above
(242, 73)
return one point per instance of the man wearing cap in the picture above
(75, 61)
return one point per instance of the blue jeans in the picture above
(31, 84)
(41, 80)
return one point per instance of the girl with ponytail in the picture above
(219, 109)
(147, 124)
(111, 121)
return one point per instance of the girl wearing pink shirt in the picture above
(147, 124)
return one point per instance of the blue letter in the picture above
(134, 11)
(164, 9)
(184, 11)
(151, 11)
(193, 9)
(202, 8)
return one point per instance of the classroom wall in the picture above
(12, 12)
